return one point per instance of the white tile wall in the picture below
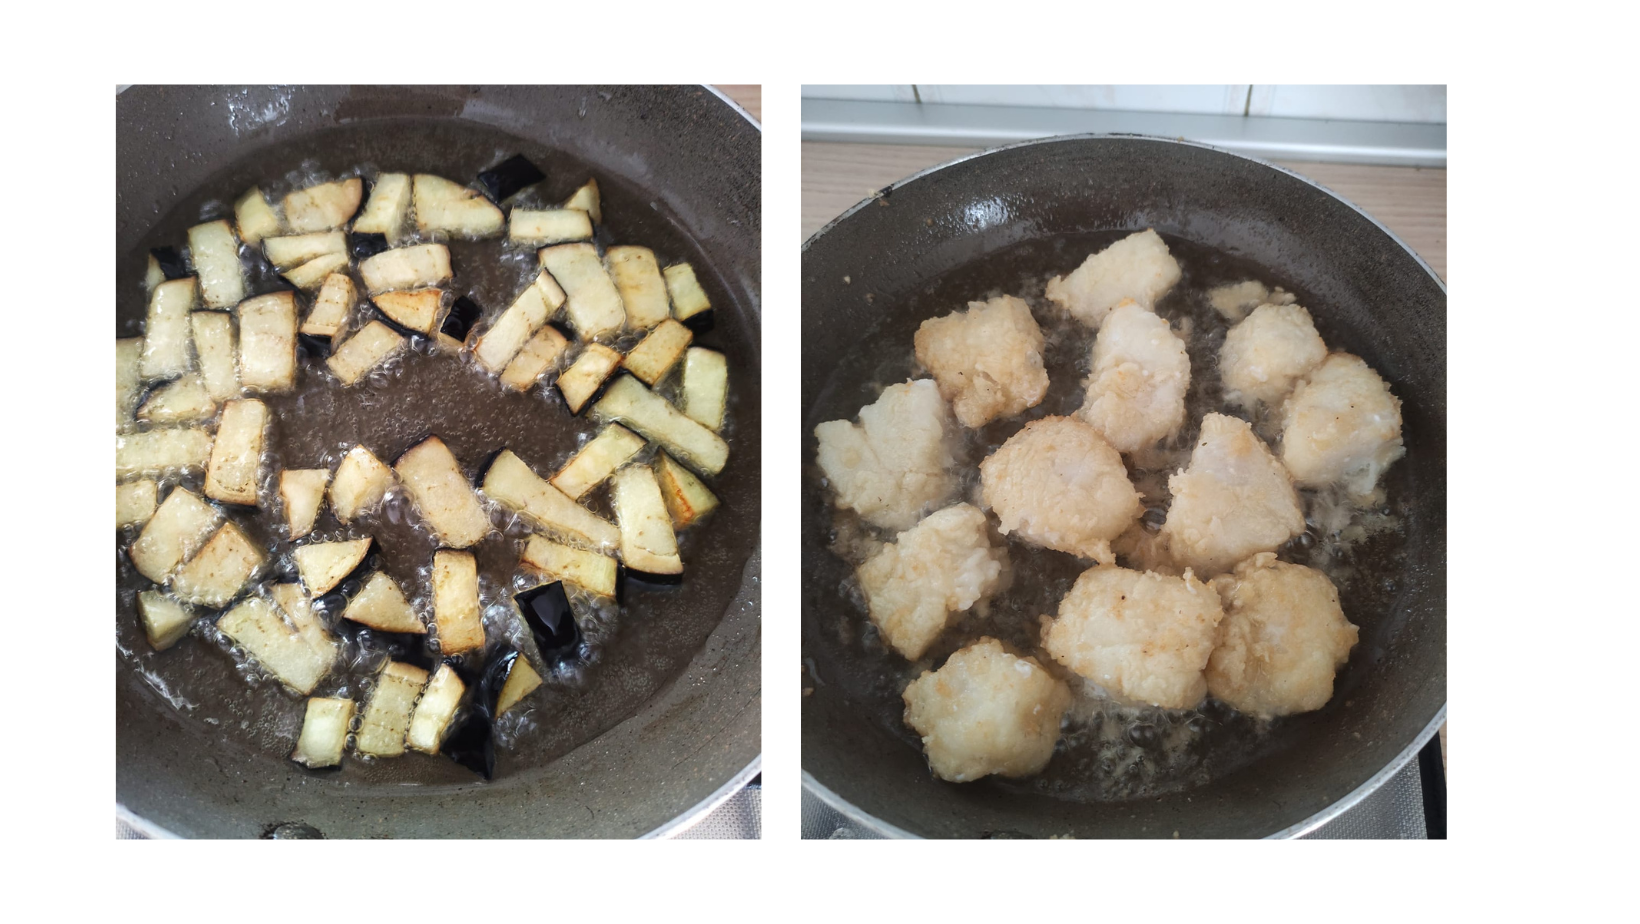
(864, 92)
(1214, 99)
(1402, 103)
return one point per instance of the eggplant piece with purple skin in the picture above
(314, 346)
(408, 333)
(472, 743)
(171, 262)
(642, 580)
(334, 590)
(551, 620)
(407, 647)
(699, 323)
(463, 314)
(365, 246)
(508, 177)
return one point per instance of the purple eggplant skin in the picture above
(646, 580)
(365, 246)
(414, 336)
(400, 646)
(592, 399)
(314, 346)
(472, 743)
(484, 465)
(330, 606)
(551, 620)
(460, 320)
(699, 323)
(496, 671)
(641, 581)
(508, 177)
(421, 436)
(171, 262)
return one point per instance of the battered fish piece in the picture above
(1267, 353)
(1235, 300)
(986, 711)
(1143, 636)
(1144, 549)
(1283, 638)
(1137, 267)
(1057, 483)
(987, 360)
(895, 464)
(1138, 634)
(1234, 500)
(1341, 426)
(1140, 375)
(945, 564)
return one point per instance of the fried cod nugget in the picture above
(1235, 500)
(896, 463)
(1283, 638)
(1142, 636)
(1233, 301)
(943, 565)
(1137, 267)
(1341, 426)
(1057, 484)
(1266, 354)
(1140, 375)
(987, 360)
(986, 711)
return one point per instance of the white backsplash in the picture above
(1377, 103)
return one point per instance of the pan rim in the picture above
(870, 822)
(689, 817)
(708, 805)
(744, 112)
(1125, 136)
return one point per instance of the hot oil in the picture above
(630, 650)
(1108, 750)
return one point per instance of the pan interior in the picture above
(995, 225)
(193, 697)
(1110, 752)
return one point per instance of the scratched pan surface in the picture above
(1003, 222)
(667, 713)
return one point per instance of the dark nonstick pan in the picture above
(1002, 222)
(664, 721)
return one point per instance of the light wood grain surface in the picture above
(1409, 201)
(748, 95)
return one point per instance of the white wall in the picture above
(1403, 103)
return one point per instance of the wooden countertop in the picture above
(1410, 201)
(748, 95)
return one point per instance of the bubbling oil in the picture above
(1109, 749)
(628, 651)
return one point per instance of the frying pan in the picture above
(664, 724)
(1002, 221)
